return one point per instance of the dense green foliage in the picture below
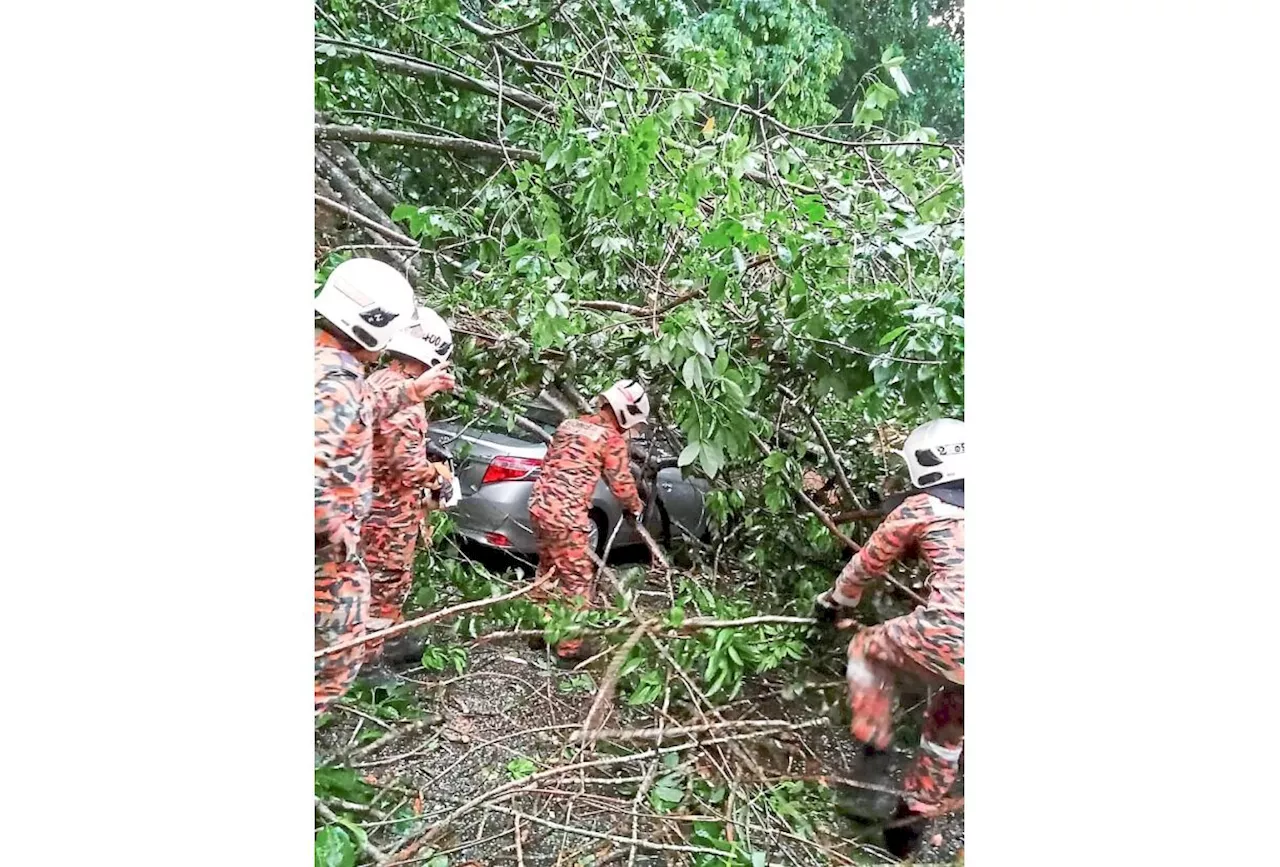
(770, 285)
(928, 34)
(819, 279)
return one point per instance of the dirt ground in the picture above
(498, 719)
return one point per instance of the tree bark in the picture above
(453, 144)
(350, 163)
(426, 71)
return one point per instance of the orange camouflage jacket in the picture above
(343, 442)
(345, 411)
(582, 450)
(933, 634)
(401, 471)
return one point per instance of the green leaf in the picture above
(812, 209)
(733, 392)
(719, 282)
(334, 848)
(722, 363)
(712, 458)
(691, 374)
(439, 861)
(702, 343)
(521, 767)
(892, 335)
(689, 455)
(357, 833)
(900, 80)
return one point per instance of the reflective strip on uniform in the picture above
(951, 756)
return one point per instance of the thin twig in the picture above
(657, 734)
(612, 838)
(604, 695)
(357, 217)
(486, 34)
(397, 734)
(526, 783)
(821, 433)
(376, 854)
(453, 144)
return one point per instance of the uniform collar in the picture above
(324, 338)
(605, 420)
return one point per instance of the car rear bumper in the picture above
(498, 516)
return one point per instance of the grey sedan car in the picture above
(496, 470)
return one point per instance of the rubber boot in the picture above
(377, 674)
(867, 805)
(402, 649)
(902, 840)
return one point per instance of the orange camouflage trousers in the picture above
(342, 607)
(564, 566)
(388, 591)
(875, 661)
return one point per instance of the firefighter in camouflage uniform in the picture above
(404, 476)
(928, 643)
(583, 451)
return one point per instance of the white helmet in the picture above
(427, 338)
(935, 452)
(629, 401)
(366, 300)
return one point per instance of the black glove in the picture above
(445, 492)
(825, 609)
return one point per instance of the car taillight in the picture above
(497, 540)
(508, 469)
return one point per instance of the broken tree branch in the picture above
(486, 34)
(522, 422)
(527, 783)
(658, 733)
(397, 734)
(422, 621)
(612, 838)
(826, 447)
(377, 855)
(356, 170)
(427, 71)
(363, 221)
(604, 695)
(453, 144)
